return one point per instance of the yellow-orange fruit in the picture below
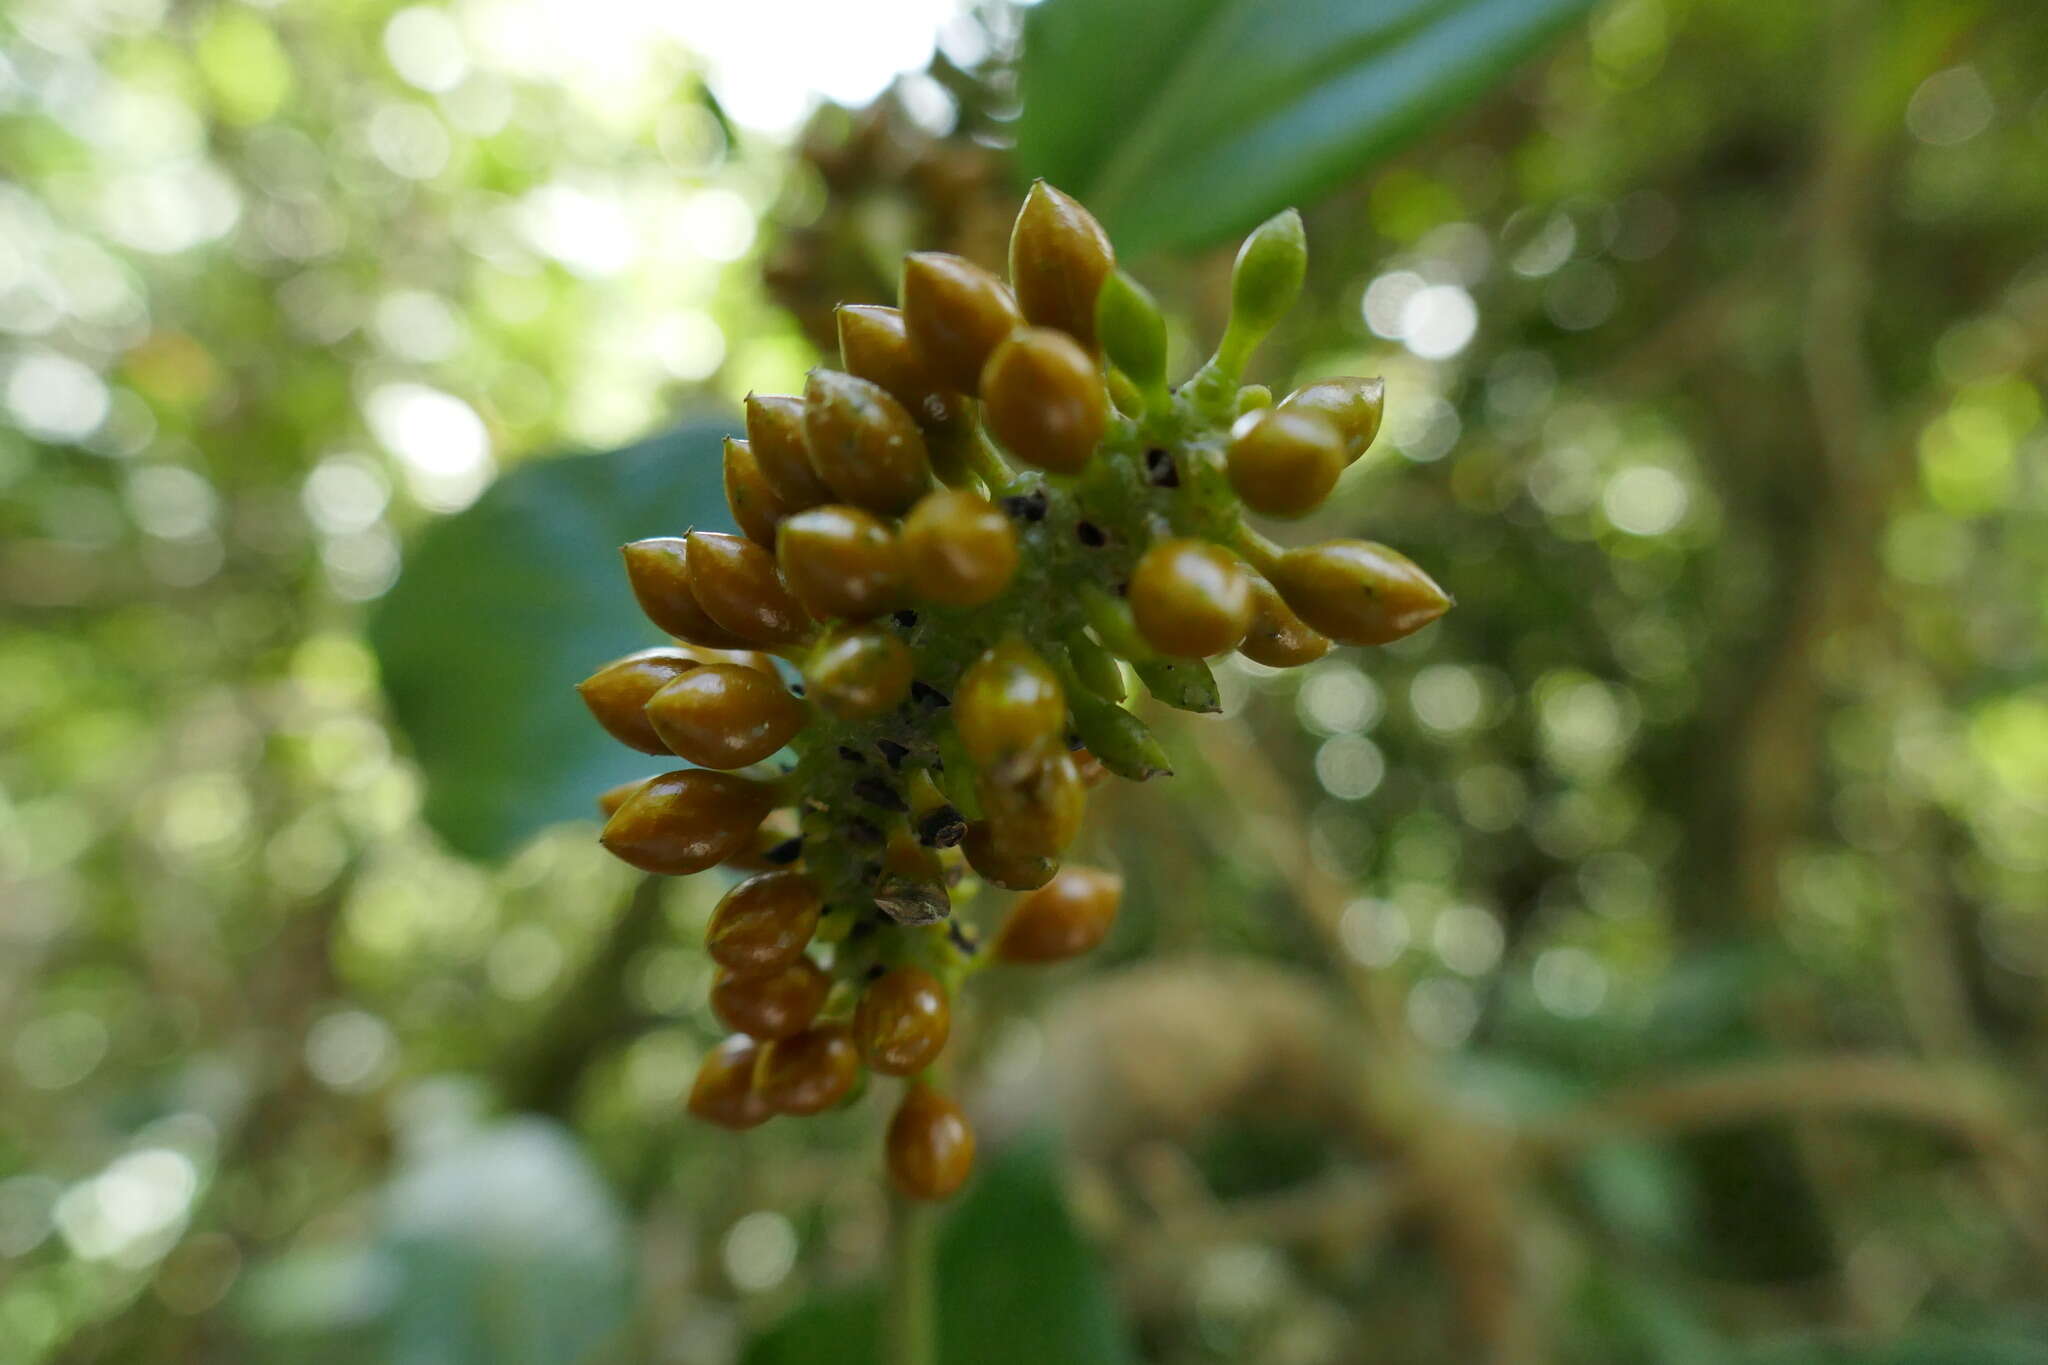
(902, 1021)
(930, 1145)
(618, 693)
(736, 583)
(775, 1004)
(1068, 916)
(764, 924)
(723, 1092)
(959, 549)
(809, 1073)
(1190, 599)
(725, 715)
(683, 822)
(659, 572)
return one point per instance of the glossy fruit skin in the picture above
(1285, 461)
(659, 571)
(763, 924)
(1037, 810)
(1043, 398)
(769, 1005)
(682, 822)
(874, 345)
(736, 583)
(1000, 865)
(959, 550)
(611, 798)
(956, 314)
(841, 562)
(863, 443)
(1059, 257)
(1068, 916)
(723, 1093)
(1358, 592)
(1190, 599)
(808, 1073)
(618, 693)
(858, 672)
(902, 1021)
(725, 716)
(930, 1145)
(755, 505)
(1354, 405)
(1009, 703)
(1278, 638)
(775, 437)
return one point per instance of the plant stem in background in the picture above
(910, 1318)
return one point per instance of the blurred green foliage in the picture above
(1715, 354)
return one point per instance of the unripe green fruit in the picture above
(1132, 330)
(809, 1073)
(902, 1021)
(1278, 638)
(775, 1004)
(930, 1146)
(618, 693)
(1190, 599)
(659, 572)
(862, 442)
(1009, 703)
(725, 715)
(1358, 592)
(958, 549)
(682, 822)
(1118, 740)
(1284, 461)
(957, 314)
(735, 581)
(1266, 279)
(723, 1093)
(1355, 405)
(841, 562)
(1095, 666)
(775, 435)
(1044, 400)
(858, 672)
(754, 504)
(1059, 257)
(1068, 916)
(763, 924)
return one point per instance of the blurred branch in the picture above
(594, 1010)
(1458, 1165)
(1896, 1087)
(1968, 1106)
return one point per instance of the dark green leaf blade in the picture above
(1261, 105)
(505, 606)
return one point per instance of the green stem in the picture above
(910, 1330)
(983, 459)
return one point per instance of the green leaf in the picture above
(504, 607)
(1182, 122)
(1016, 1285)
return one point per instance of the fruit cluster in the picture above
(970, 543)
